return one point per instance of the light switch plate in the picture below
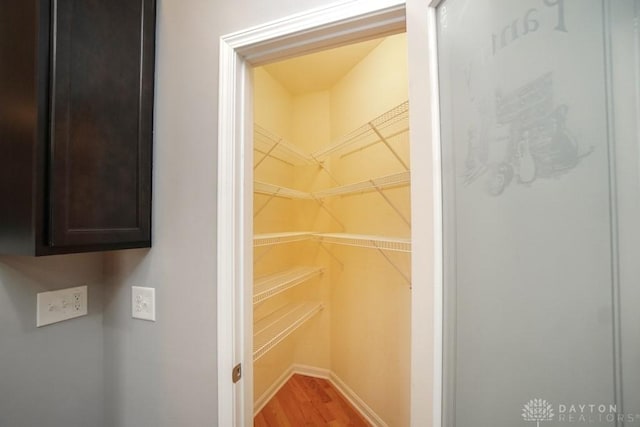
(143, 303)
(63, 304)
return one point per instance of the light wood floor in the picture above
(308, 401)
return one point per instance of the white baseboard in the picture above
(271, 391)
(369, 414)
(355, 400)
(311, 371)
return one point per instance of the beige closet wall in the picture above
(376, 84)
(272, 111)
(371, 302)
(311, 129)
(303, 120)
(273, 107)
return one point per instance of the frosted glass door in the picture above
(539, 121)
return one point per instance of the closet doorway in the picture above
(332, 230)
(321, 270)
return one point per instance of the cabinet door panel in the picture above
(101, 124)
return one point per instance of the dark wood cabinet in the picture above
(76, 125)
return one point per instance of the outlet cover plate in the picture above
(63, 304)
(143, 303)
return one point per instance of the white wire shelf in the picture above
(278, 191)
(397, 244)
(269, 144)
(381, 183)
(268, 239)
(273, 284)
(387, 126)
(272, 329)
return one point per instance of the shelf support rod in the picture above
(258, 258)
(335, 258)
(393, 264)
(264, 205)
(364, 147)
(328, 211)
(390, 203)
(385, 142)
(325, 169)
(267, 154)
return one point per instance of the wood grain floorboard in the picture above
(308, 402)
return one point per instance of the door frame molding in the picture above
(337, 24)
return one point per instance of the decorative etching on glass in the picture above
(528, 141)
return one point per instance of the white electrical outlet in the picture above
(64, 304)
(143, 303)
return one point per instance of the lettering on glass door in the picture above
(513, 93)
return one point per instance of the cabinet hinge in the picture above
(236, 373)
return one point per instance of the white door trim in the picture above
(339, 23)
(437, 225)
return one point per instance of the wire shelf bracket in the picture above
(263, 206)
(384, 182)
(393, 264)
(332, 255)
(375, 184)
(268, 286)
(272, 191)
(390, 203)
(280, 238)
(384, 127)
(362, 147)
(267, 249)
(267, 154)
(329, 212)
(380, 243)
(386, 143)
(274, 328)
(271, 145)
(279, 191)
(325, 169)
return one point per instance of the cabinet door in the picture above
(101, 123)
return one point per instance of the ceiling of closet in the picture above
(321, 70)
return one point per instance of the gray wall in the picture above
(164, 373)
(107, 369)
(53, 375)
